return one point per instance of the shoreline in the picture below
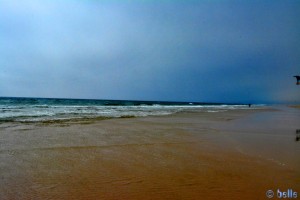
(187, 155)
(95, 119)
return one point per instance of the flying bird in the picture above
(298, 79)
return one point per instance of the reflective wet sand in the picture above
(229, 155)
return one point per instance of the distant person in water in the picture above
(298, 79)
(249, 105)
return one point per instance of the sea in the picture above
(16, 109)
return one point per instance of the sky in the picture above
(204, 51)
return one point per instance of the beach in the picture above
(233, 154)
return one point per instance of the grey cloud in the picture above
(200, 51)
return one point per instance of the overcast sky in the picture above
(208, 51)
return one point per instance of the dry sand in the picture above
(198, 155)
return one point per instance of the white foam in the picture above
(52, 112)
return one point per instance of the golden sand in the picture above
(184, 156)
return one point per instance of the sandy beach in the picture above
(237, 154)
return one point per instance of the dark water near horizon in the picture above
(45, 109)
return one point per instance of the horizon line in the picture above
(135, 100)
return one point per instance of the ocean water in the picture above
(14, 109)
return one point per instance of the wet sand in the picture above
(197, 155)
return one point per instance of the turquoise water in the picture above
(14, 109)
